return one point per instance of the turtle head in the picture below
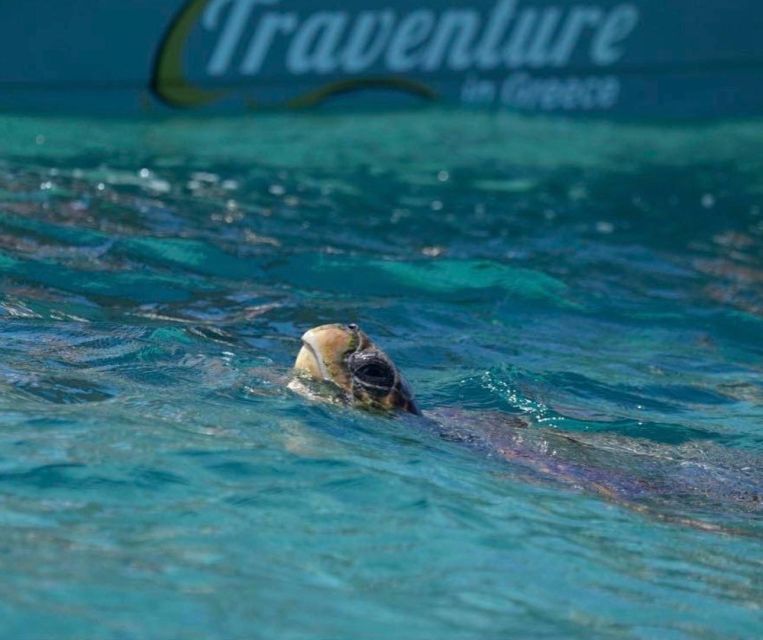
(341, 354)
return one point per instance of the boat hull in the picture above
(639, 59)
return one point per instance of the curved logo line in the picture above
(312, 98)
(168, 79)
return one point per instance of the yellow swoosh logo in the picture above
(168, 81)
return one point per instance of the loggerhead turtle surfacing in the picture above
(688, 484)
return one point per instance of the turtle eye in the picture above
(376, 375)
(373, 372)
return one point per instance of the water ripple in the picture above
(596, 283)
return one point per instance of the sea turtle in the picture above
(691, 484)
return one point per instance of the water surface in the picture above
(157, 479)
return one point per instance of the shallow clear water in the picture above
(158, 480)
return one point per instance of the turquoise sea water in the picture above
(158, 480)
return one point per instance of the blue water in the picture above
(158, 479)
